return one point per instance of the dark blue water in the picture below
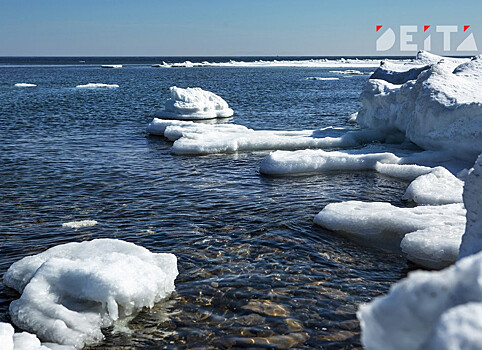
(253, 268)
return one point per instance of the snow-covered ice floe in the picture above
(79, 224)
(322, 78)
(25, 85)
(71, 291)
(435, 101)
(349, 72)
(9, 340)
(111, 66)
(200, 139)
(312, 63)
(428, 311)
(194, 104)
(97, 86)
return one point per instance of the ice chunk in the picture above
(79, 224)
(436, 101)
(199, 139)
(384, 225)
(321, 78)
(111, 66)
(9, 340)
(437, 187)
(472, 239)
(71, 291)
(348, 71)
(97, 86)
(194, 103)
(25, 85)
(428, 310)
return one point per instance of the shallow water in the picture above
(254, 271)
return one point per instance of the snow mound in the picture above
(472, 240)
(435, 101)
(97, 86)
(25, 85)
(79, 224)
(385, 225)
(428, 310)
(111, 66)
(194, 103)
(9, 340)
(71, 291)
(321, 78)
(200, 139)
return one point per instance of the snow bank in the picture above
(199, 139)
(194, 103)
(472, 240)
(428, 310)
(436, 101)
(111, 66)
(79, 224)
(71, 291)
(9, 340)
(25, 85)
(97, 86)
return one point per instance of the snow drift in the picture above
(194, 103)
(71, 291)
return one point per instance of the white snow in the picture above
(194, 103)
(9, 340)
(71, 291)
(111, 66)
(199, 139)
(25, 85)
(97, 86)
(436, 101)
(79, 224)
(428, 311)
(472, 239)
(322, 78)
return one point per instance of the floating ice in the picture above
(111, 66)
(199, 139)
(321, 78)
(97, 86)
(79, 224)
(194, 103)
(436, 101)
(472, 239)
(348, 72)
(428, 310)
(71, 291)
(25, 85)
(9, 340)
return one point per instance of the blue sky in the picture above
(215, 27)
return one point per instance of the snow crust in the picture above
(79, 224)
(435, 101)
(428, 311)
(71, 291)
(194, 103)
(97, 86)
(25, 85)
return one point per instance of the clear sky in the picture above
(221, 27)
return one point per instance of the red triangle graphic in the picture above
(379, 27)
(466, 27)
(425, 28)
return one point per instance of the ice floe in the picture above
(436, 101)
(322, 78)
(79, 224)
(71, 291)
(349, 72)
(97, 86)
(193, 104)
(111, 66)
(25, 85)
(200, 139)
(428, 310)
